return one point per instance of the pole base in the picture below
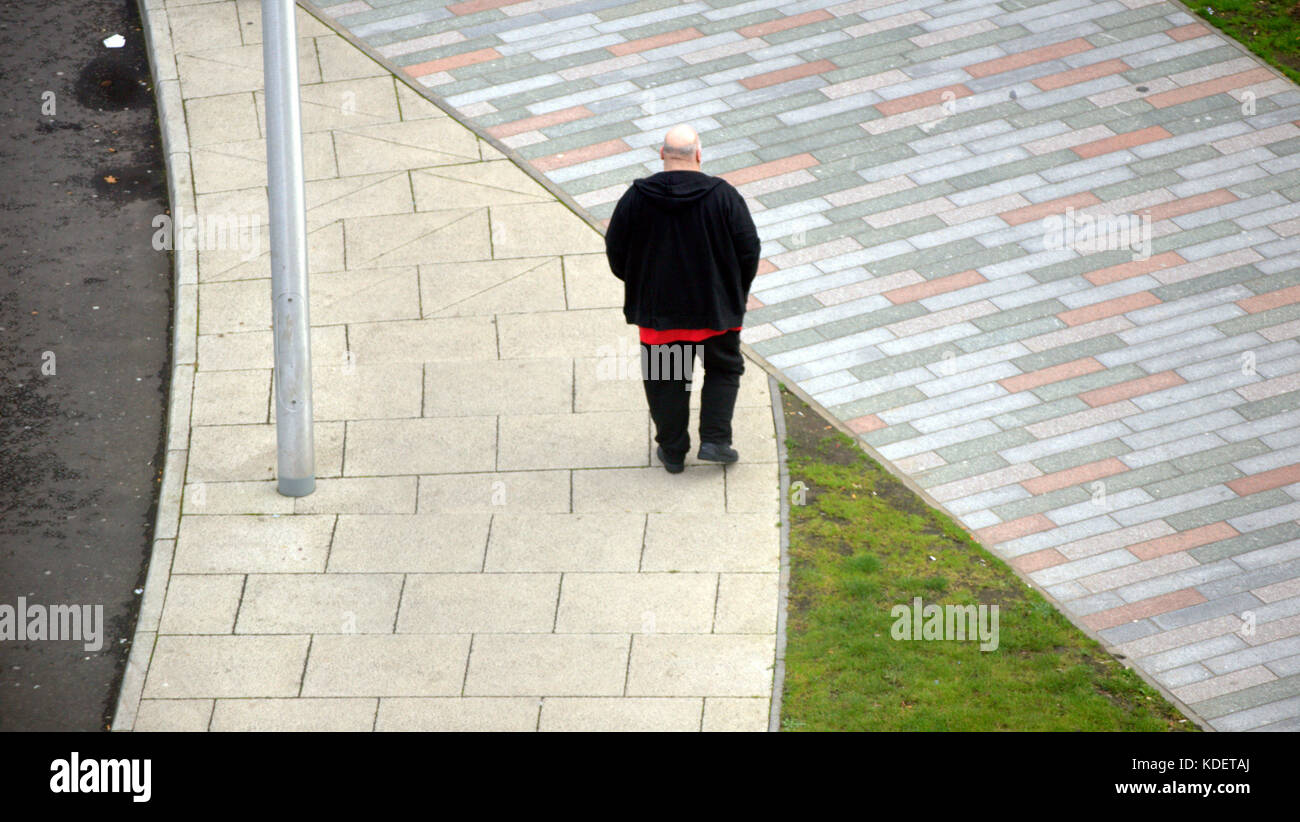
(296, 487)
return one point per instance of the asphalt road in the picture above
(85, 312)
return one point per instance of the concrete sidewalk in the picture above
(491, 545)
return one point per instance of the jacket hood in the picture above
(676, 190)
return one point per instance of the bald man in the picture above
(686, 249)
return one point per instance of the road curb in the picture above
(783, 596)
(180, 195)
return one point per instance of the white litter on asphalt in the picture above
(115, 42)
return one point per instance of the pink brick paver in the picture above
(785, 75)
(1051, 374)
(1184, 541)
(784, 23)
(1278, 477)
(1273, 299)
(1188, 32)
(1217, 86)
(1189, 205)
(467, 58)
(941, 285)
(580, 155)
(655, 41)
(1028, 58)
(861, 425)
(1108, 308)
(1131, 388)
(1032, 524)
(1038, 560)
(1081, 75)
(922, 99)
(1074, 476)
(1162, 604)
(1136, 268)
(564, 115)
(770, 169)
(473, 6)
(1037, 211)
(1120, 142)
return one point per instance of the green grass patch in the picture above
(1269, 28)
(861, 542)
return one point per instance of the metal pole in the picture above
(291, 327)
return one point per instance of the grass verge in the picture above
(1269, 28)
(861, 542)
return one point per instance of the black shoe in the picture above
(717, 452)
(670, 466)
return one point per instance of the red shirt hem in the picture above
(650, 336)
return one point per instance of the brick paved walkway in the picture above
(1123, 430)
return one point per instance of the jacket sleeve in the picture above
(744, 236)
(616, 234)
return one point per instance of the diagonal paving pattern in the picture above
(490, 546)
(1123, 428)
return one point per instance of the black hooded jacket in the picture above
(686, 249)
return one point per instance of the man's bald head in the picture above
(681, 149)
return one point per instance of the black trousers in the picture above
(666, 372)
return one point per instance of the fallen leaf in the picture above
(110, 179)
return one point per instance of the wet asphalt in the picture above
(85, 311)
